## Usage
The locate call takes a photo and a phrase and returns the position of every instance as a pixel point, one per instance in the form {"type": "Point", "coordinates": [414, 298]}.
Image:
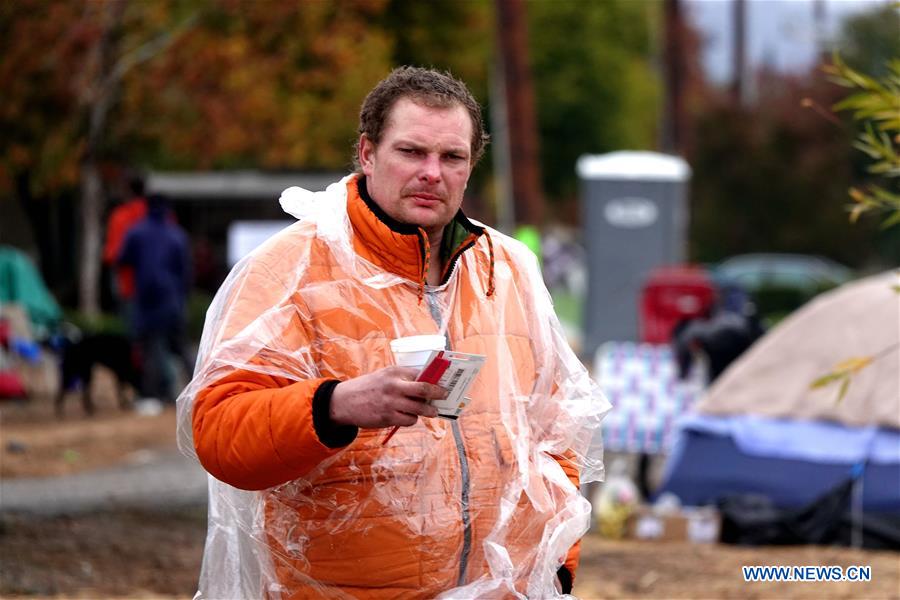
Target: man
{"type": "Point", "coordinates": [158, 253]}
{"type": "Point", "coordinates": [121, 220]}
{"type": "Point", "coordinates": [725, 332]}
{"type": "Point", "coordinates": [295, 386]}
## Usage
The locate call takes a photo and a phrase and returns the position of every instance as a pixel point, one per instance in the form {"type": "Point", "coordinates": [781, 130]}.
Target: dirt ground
{"type": "Point", "coordinates": [141, 554]}
{"type": "Point", "coordinates": [46, 447]}
{"type": "Point", "coordinates": [123, 554]}
{"type": "Point", "coordinates": [635, 569]}
{"type": "Point", "coordinates": [131, 554]}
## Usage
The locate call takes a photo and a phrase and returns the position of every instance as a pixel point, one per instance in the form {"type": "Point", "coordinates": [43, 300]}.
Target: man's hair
{"type": "Point", "coordinates": [136, 184]}
{"type": "Point", "coordinates": [424, 86]}
{"type": "Point", "coordinates": [158, 203]}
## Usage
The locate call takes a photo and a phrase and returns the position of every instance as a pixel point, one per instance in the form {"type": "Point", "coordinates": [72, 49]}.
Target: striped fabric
{"type": "Point", "coordinates": [640, 381]}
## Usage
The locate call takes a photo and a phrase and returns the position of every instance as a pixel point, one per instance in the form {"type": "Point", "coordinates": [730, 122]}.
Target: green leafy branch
{"type": "Point", "coordinates": [876, 103]}
{"type": "Point", "coordinates": [843, 372]}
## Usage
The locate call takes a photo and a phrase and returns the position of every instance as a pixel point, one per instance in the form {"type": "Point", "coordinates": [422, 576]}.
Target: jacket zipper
{"type": "Point", "coordinates": [463, 465]}
{"type": "Point", "coordinates": [459, 251]}
{"type": "Point", "coordinates": [464, 504]}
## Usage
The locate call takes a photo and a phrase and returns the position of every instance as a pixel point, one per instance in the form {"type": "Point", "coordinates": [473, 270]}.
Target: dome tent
{"type": "Point", "coordinates": [761, 429]}
{"type": "Point", "coordinates": [773, 378]}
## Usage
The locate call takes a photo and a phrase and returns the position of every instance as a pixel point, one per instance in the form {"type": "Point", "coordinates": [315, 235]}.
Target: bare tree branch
{"type": "Point", "coordinates": [148, 50]}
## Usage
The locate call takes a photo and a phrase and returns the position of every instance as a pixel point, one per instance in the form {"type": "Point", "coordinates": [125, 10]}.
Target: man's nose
{"type": "Point", "coordinates": [431, 169]}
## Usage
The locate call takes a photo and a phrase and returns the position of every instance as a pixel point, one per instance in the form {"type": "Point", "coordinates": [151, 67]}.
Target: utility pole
{"type": "Point", "coordinates": [521, 128]}
{"type": "Point", "coordinates": [738, 51]}
{"type": "Point", "coordinates": [819, 17]}
{"type": "Point", "coordinates": [820, 29]}
{"type": "Point", "coordinates": [504, 210]}
{"type": "Point", "coordinates": [673, 76]}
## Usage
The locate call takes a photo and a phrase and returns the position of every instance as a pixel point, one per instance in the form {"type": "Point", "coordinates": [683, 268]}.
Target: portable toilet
{"type": "Point", "coordinates": [635, 218]}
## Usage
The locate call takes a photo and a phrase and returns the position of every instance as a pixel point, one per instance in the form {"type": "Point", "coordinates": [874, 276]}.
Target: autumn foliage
{"type": "Point", "coordinates": [258, 84]}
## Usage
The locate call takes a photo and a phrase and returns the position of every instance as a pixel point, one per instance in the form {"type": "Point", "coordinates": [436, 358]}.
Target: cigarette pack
{"type": "Point", "coordinates": [455, 372]}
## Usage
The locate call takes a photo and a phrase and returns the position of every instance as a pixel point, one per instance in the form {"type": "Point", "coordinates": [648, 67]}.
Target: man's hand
{"type": "Point", "coordinates": [388, 397]}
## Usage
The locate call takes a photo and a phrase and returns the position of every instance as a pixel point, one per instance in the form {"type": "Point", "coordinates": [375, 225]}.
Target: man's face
{"type": "Point", "coordinates": [419, 171]}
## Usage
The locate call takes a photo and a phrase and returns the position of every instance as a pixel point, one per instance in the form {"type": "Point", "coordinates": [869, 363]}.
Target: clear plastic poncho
{"type": "Point", "coordinates": [478, 507]}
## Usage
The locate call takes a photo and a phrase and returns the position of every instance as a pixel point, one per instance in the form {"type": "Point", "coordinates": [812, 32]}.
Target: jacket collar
{"type": "Point", "coordinates": [402, 248]}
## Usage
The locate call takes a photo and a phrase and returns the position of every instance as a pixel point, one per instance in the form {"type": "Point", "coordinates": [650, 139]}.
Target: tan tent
{"type": "Point", "coordinates": [772, 379]}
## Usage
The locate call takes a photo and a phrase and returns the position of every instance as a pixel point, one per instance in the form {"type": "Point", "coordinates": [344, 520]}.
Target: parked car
{"type": "Point", "coordinates": [800, 271]}
{"type": "Point", "coordinates": [781, 283]}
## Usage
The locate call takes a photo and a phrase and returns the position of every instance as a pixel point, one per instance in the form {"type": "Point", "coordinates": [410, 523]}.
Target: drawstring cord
{"type": "Point", "coordinates": [424, 275]}
{"type": "Point", "coordinates": [490, 291]}
{"type": "Point", "coordinates": [425, 264]}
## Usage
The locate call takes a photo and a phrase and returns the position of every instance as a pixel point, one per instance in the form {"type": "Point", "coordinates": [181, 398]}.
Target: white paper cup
{"type": "Point", "coordinates": [414, 350]}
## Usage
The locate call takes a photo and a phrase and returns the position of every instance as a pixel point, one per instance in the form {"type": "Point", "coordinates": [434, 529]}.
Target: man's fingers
{"type": "Point", "coordinates": [420, 389]}
{"type": "Point", "coordinates": [405, 419]}
{"type": "Point", "coordinates": [404, 373]}
{"type": "Point", "coordinates": [416, 407]}
{"type": "Point", "coordinates": [429, 391]}
{"type": "Point", "coordinates": [407, 385]}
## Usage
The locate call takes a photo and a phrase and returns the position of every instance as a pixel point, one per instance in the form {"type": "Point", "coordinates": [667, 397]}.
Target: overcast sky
{"type": "Point", "coordinates": [781, 33]}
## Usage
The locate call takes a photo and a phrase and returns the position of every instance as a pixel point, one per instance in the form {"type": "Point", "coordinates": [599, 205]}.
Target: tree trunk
{"type": "Point", "coordinates": [102, 88]}
{"type": "Point", "coordinates": [91, 234]}
{"type": "Point", "coordinates": [109, 67]}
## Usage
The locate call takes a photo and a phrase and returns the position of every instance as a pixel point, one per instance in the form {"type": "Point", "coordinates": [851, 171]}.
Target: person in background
{"type": "Point", "coordinates": [157, 250]}
{"type": "Point", "coordinates": [721, 336]}
{"type": "Point", "coordinates": [122, 218]}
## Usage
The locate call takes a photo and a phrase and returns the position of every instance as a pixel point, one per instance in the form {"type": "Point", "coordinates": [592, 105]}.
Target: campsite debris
{"type": "Point", "coordinates": [71, 456]}
{"type": "Point", "coordinates": [16, 447]}
{"type": "Point", "coordinates": [618, 499]}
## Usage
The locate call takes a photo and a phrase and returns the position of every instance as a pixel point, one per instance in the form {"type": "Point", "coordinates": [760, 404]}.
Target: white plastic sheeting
{"type": "Point", "coordinates": [478, 507]}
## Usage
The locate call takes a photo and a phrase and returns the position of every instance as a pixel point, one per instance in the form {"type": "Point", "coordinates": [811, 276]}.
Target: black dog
{"type": "Point", "coordinates": [113, 351]}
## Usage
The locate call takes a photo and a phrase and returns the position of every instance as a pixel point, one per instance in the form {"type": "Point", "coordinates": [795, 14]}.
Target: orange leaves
{"type": "Point", "coordinates": [248, 84]}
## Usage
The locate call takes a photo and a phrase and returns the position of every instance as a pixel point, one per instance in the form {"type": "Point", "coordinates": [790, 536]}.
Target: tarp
{"type": "Point", "coordinates": [21, 283]}
{"type": "Point", "coordinates": [641, 383]}
{"type": "Point", "coordinates": [814, 441]}
{"type": "Point", "coordinates": [705, 468]}
{"type": "Point", "coordinates": [829, 519]}
{"type": "Point", "coordinates": [773, 378]}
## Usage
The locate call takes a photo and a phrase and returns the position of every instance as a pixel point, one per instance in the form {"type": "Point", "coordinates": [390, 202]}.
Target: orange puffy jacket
{"type": "Point", "coordinates": [473, 502]}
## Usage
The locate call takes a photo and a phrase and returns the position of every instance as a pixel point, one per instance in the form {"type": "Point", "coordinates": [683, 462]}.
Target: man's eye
{"type": "Point", "coordinates": [408, 150]}
{"type": "Point", "coordinates": [454, 157]}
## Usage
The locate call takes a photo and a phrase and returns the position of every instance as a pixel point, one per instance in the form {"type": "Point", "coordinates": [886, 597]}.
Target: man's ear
{"type": "Point", "coordinates": [366, 153]}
